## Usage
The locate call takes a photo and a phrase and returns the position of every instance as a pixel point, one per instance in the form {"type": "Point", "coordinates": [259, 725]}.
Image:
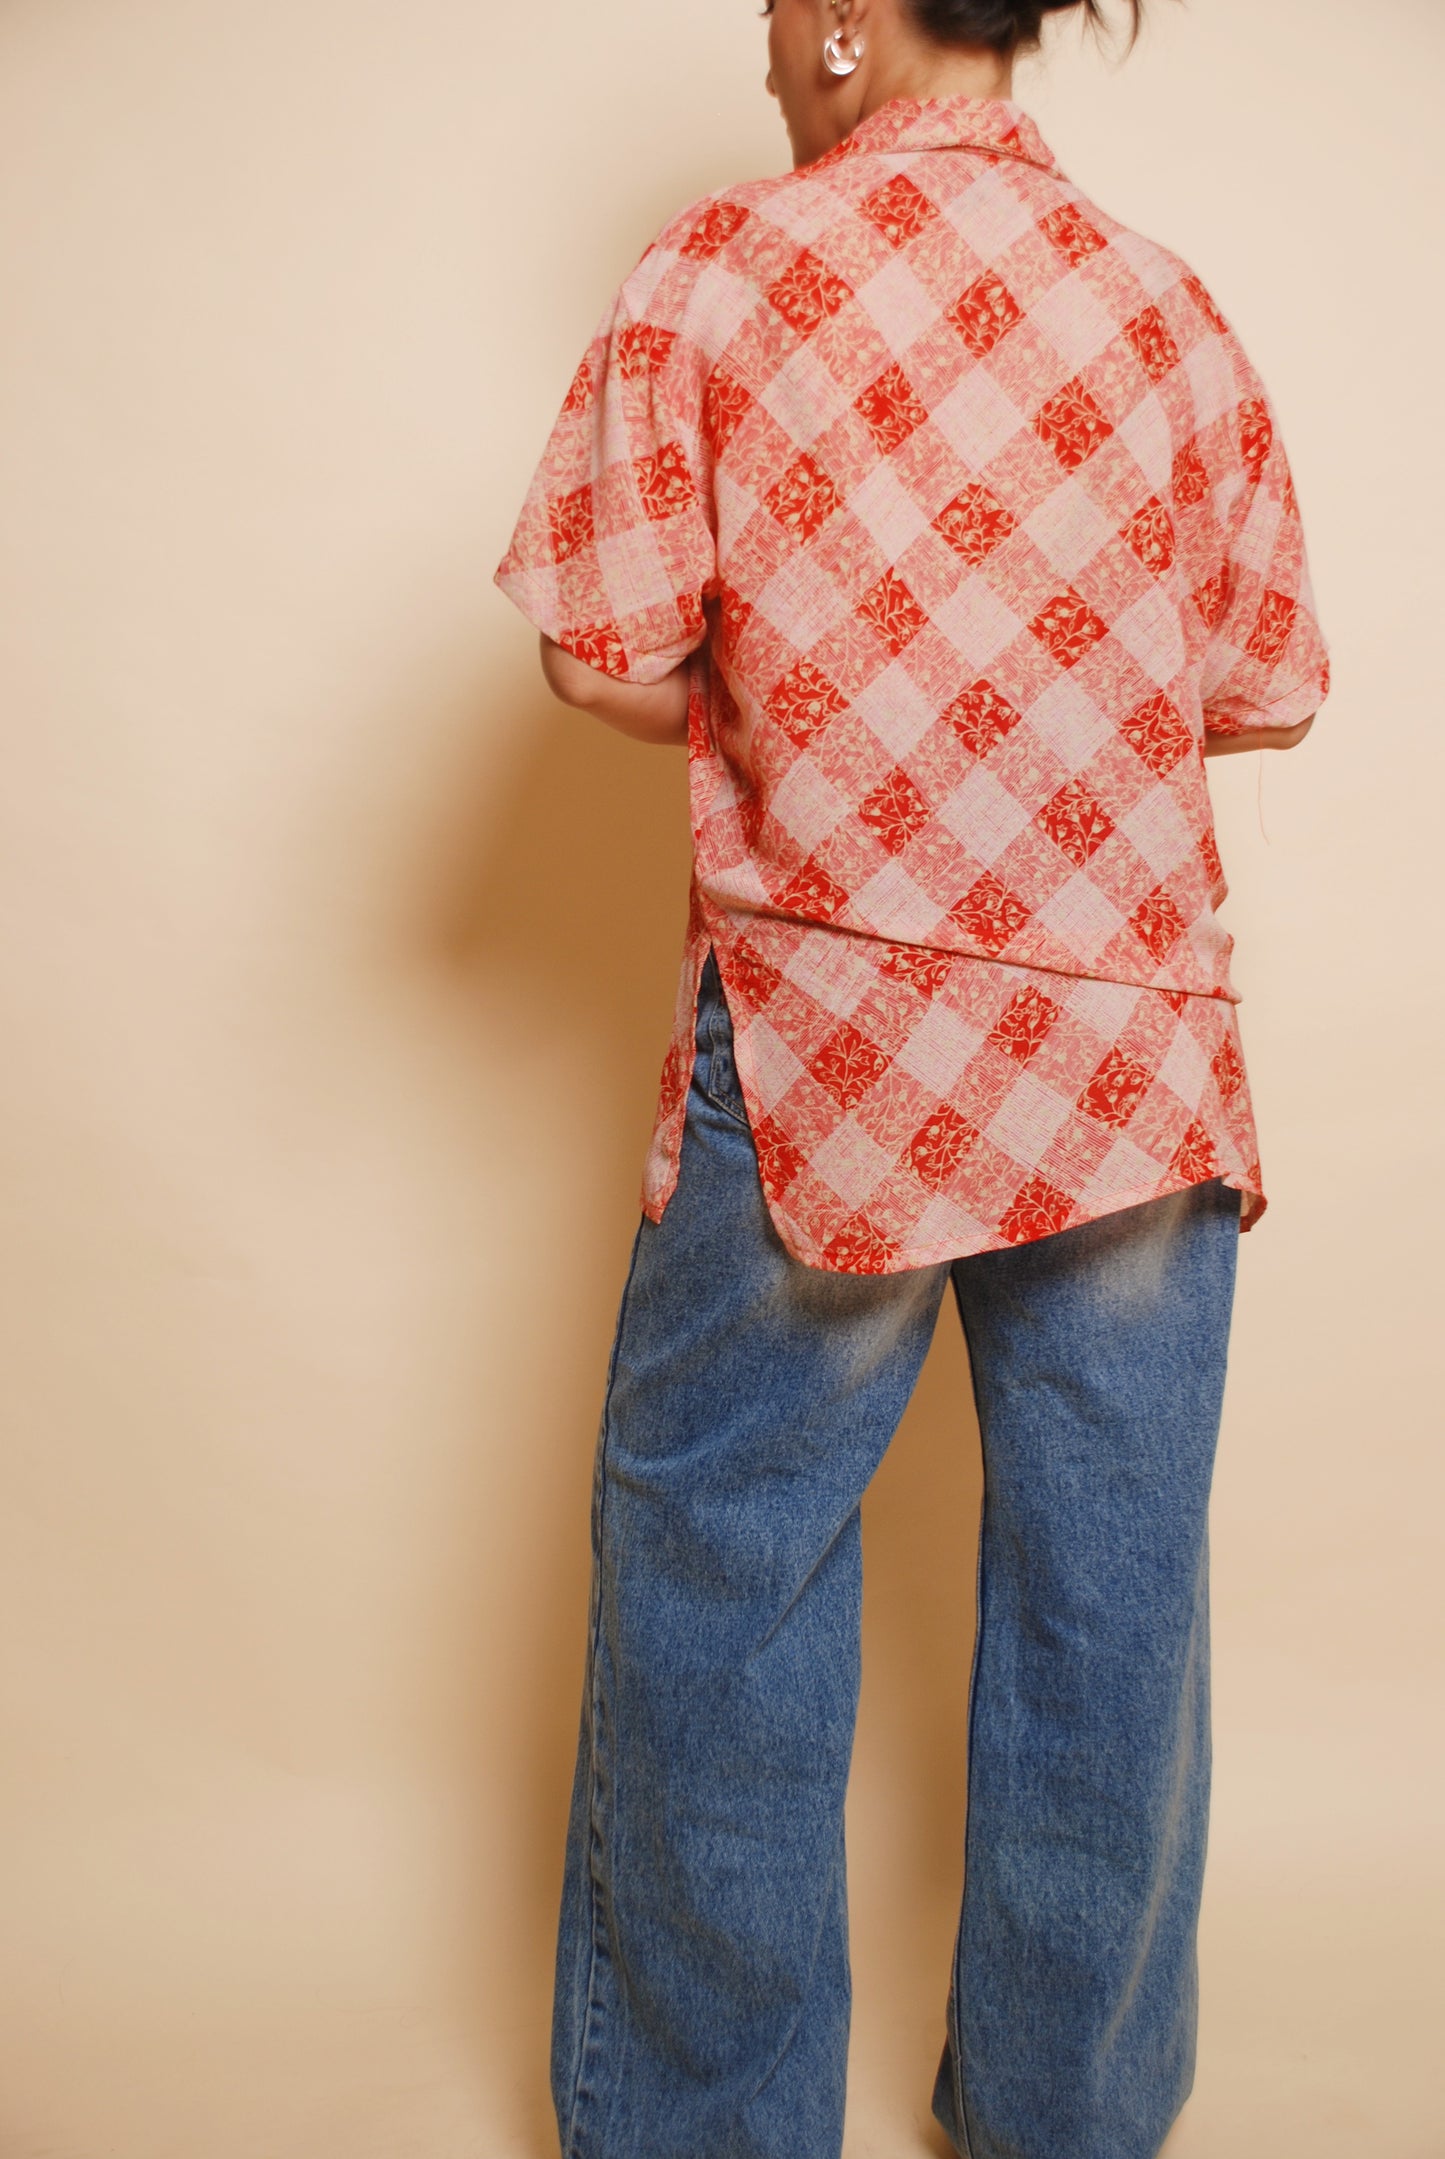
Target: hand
{"type": "Point", "coordinates": [1257, 738]}
{"type": "Point", "coordinates": [648, 711]}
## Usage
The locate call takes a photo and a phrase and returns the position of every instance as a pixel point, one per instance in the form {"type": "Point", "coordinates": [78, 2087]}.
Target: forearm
{"type": "Point", "coordinates": [1257, 738]}
{"type": "Point", "coordinates": [648, 711]}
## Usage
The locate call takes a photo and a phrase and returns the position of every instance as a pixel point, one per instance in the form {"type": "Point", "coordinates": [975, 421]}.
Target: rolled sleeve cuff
{"type": "Point", "coordinates": [1234, 717]}
{"type": "Point", "coordinates": [600, 644]}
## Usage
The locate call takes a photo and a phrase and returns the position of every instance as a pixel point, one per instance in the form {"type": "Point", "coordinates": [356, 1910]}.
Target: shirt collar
{"type": "Point", "coordinates": [994, 126]}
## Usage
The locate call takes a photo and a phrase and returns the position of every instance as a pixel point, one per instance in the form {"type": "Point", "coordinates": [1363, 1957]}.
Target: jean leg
{"type": "Point", "coordinates": [703, 1991]}
{"type": "Point", "coordinates": [1099, 1363]}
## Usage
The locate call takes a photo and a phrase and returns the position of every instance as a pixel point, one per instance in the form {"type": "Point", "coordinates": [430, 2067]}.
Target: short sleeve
{"type": "Point", "coordinates": [1266, 664]}
{"type": "Point", "coordinates": [614, 550]}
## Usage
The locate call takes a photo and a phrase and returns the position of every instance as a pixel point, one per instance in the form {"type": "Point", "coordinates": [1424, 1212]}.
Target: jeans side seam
{"type": "Point", "coordinates": [581, 2089]}
{"type": "Point", "coordinates": [970, 1720]}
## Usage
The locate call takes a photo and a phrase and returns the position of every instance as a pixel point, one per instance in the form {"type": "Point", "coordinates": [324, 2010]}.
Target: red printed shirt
{"type": "Point", "coordinates": [969, 517]}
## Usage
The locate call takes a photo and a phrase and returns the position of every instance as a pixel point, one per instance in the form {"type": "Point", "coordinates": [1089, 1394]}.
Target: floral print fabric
{"type": "Point", "coordinates": [969, 517]}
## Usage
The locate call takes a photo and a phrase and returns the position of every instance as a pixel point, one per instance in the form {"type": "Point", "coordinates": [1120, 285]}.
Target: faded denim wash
{"type": "Point", "coordinates": [702, 1987]}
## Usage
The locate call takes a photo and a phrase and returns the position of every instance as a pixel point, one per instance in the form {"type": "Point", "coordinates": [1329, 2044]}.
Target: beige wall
{"type": "Point", "coordinates": [337, 964]}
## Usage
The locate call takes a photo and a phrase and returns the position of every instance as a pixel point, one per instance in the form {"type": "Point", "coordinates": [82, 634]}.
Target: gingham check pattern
{"type": "Point", "coordinates": [969, 516]}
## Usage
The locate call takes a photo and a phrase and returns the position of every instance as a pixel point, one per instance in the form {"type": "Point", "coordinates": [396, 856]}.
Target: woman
{"type": "Point", "coordinates": [947, 523]}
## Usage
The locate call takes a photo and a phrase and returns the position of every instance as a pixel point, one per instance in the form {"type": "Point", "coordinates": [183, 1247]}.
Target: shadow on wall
{"type": "Point", "coordinates": [556, 903]}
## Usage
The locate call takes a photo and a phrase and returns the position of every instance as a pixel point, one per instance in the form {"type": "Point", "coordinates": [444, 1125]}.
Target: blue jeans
{"type": "Point", "coordinates": [702, 1986]}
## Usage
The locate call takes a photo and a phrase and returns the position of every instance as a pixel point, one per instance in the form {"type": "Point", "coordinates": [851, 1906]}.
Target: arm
{"type": "Point", "coordinates": [1257, 738]}
{"type": "Point", "coordinates": [649, 712]}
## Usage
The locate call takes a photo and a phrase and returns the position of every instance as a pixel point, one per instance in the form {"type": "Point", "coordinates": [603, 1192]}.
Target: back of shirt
{"type": "Point", "coordinates": [988, 515]}
{"type": "Point", "coordinates": [970, 517]}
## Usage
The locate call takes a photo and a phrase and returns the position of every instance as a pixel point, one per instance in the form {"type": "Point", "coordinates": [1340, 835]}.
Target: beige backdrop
{"type": "Point", "coordinates": [337, 965]}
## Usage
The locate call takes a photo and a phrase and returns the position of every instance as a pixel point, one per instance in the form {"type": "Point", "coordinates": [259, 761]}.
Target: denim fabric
{"type": "Point", "coordinates": [703, 1994]}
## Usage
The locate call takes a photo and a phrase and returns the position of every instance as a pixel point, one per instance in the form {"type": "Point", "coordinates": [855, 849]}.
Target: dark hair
{"type": "Point", "coordinates": [1001, 25]}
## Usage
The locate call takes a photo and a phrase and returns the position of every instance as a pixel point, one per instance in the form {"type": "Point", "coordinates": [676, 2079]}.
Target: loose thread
{"type": "Point", "coordinates": [1259, 800]}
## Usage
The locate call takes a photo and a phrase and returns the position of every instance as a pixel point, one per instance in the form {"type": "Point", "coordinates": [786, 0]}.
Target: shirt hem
{"type": "Point", "coordinates": [810, 1254]}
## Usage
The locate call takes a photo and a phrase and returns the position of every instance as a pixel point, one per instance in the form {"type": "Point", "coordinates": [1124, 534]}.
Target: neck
{"type": "Point", "coordinates": [925, 72]}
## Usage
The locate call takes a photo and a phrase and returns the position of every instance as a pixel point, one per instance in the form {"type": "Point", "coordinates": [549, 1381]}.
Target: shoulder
{"type": "Point", "coordinates": [713, 258]}
{"type": "Point", "coordinates": [1111, 254]}
{"type": "Point", "coordinates": [1166, 278]}
{"type": "Point", "coordinates": [715, 228]}
{"type": "Point", "coordinates": [1153, 292]}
